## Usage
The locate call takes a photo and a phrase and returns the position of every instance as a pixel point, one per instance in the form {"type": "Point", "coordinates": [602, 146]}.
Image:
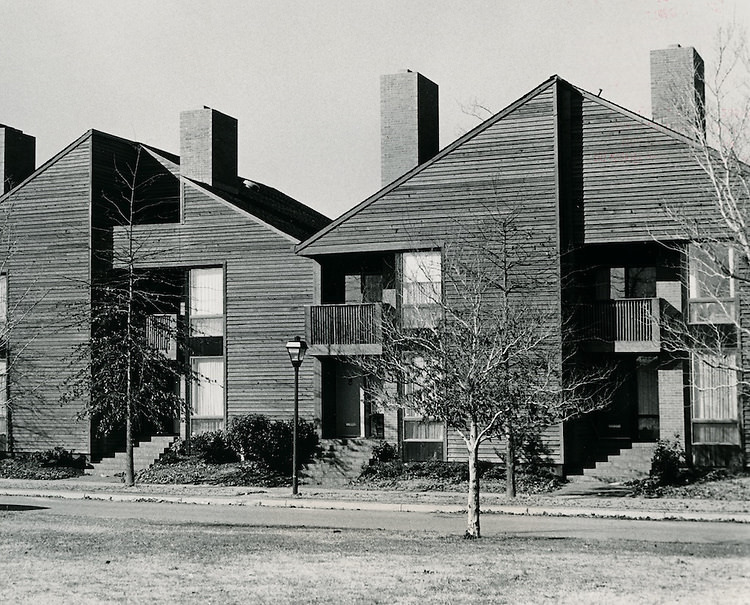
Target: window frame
{"type": "Point", "coordinates": [195, 384]}
{"type": "Point", "coordinates": [729, 421]}
{"type": "Point", "coordinates": [195, 316]}
{"type": "Point", "coordinates": [710, 309]}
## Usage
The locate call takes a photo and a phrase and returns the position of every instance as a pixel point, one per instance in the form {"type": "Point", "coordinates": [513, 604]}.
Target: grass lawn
{"type": "Point", "coordinates": [54, 559]}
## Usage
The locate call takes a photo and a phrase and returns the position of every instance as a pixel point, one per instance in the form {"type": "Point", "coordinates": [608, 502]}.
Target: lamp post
{"type": "Point", "coordinates": [296, 349]}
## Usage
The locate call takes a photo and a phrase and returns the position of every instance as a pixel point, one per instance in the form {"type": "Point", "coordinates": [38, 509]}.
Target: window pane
{"type": "Point", "coordinates": [208, 388]}
{"type": "Point", "coordinates": [423, 430]}
{"type": "Point", "coordinates": [724, 433]}
{"type": "Point", "coordinates": [207, 291]}
{"type": "Point", "coordinates": [207, 301]}
{"type": "Point", "coordinates": [421, 289]}
{"type": "Point", "coordinates": [715, 392]}
{"type": "Point", "coordinates": [710, 272]}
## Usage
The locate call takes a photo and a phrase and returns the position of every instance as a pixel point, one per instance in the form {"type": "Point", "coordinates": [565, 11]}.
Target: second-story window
{"type": "Point", "coordinates": [421, 293]}
{"type": "Point", "coordinates": [207, 302]}
{"type": "Point", "coordinates": [711, 284]}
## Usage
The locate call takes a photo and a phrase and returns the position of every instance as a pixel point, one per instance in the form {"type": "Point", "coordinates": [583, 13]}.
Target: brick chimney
{"type": "Point", "coordinates": [409, 131]}
{"type": "Point", "coordinates": [17, 157]}
{"type": "Point", "coordinates": [678, 93]}
{"type": "Point", "coordinates": [208, 146]}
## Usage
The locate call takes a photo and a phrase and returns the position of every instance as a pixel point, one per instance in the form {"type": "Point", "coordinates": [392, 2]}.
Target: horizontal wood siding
{"type": "Point", "coordinates": [744, 403]}
{"type": "Point", "coordinates": [493, 449]}
{"type": "Point", "coordinates": [633, 176]}
{"type": "Point", "coordinates": [267, 287]}
{"type": "Point", "coordinates": [48, 272]}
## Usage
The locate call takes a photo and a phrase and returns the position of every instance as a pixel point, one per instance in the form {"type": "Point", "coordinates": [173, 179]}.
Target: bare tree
{"type": "Point", "coordinates": [131, 376]}
{"type": "Point", "coordinates": [481, 352]}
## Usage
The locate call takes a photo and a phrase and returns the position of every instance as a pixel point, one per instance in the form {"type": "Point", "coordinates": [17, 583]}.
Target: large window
{"type": "Point", "coordinates": [422, 436]}
{"type": "Point", "coordinates": [715, 415]}
{"type": "Point", "coordinates": [207, 302]}
{"type": "Point", "coordinates": [421, 292]}
{"type": "Point", "coordinates": [207, 395]}
{"type": "Point", "coordinates": [711, 285]}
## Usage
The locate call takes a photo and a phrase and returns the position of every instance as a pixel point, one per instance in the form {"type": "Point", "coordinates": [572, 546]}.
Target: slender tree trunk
{"type": "Point", "coordinates": [472, 527]}
{"type": "Point", "coordinates": [129, 463]}
{"type": "Point", "coordinates": [510, 463]}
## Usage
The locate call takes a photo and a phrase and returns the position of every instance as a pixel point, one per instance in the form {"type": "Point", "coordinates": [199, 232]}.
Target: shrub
{"type": "Point", "coordinates": [384, 452]}
{"type": "Point", "coordinates": [212, 447]}
{"type": "Point", "coordinates": [667, 463]}
{"type": "Point", "coordinates": [59, 457]}
{"type": "Point", "coordinates": [256, 438]}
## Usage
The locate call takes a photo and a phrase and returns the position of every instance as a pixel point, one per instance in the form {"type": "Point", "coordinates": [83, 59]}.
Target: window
{"type": "Point", "coordinates": [207, 302]}
{"type": "Point", "coordinates": [711, 284]}
{"type": "Point", "coordinates": [161, 333]}
{"type": "Point", "coordinates": [421, 292]}
{"type": "Point", "coordinates": [207, 395]}
{"type": "Point", "coordinates": [422, 436]}
{"type": "Point", "coordinates": [715, 416]}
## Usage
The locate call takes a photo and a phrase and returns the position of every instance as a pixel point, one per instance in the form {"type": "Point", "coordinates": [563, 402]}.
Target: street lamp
{"type": "Point", "coordinates": [296, 349]}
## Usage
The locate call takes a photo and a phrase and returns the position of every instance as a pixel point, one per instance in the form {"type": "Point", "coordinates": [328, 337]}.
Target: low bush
{"type": "Point", "coordinates": [213, 447]}
{"type": "Point", "coordinates": [59, 457]}
{"type": "Point", "coordinates": [256, 438]}
{"type": "Point", "coordinates": [667, 463]}
{"type": "Point", "coordinates": [435, 474]}
{"type": "Point", "coordinates": [384, 452]}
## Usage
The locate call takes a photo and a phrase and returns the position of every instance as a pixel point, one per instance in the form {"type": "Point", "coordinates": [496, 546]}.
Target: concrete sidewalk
{"type": "Point", "coordinates": [312, 497]}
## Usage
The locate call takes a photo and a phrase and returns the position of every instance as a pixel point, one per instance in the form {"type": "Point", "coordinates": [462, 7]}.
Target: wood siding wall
{"type": "Point", "coordinates": [492, 450]}
{"type": "Point", "coordinates": [267, 287]}
{"type": "Point", "coordinates": [457, 201]}
{"type": "Point", "coordinates": [630, 176]}
{"type": "Point", "coordinates": [47, 223]}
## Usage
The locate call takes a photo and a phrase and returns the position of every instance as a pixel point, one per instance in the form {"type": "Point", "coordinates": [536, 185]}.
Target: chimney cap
{"type": "Point", "coordinates": [675, 46]}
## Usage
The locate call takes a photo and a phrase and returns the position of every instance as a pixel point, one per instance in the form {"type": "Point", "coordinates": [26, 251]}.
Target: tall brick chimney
{"type": "Point", "coordinates": [409, 130]}
{"type": "Point", "coordinates": [208, 146]}
{"type": "Point", "coordinates": [17, 157]}
{"type": "Point", "coordinates": [678, 92]}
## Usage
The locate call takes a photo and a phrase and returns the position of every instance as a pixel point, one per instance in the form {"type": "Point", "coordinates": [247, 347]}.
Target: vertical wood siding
{"type": "Point", "coordinates": [47, 223]}
{"type": "Point", "coordinates": [267, 287]}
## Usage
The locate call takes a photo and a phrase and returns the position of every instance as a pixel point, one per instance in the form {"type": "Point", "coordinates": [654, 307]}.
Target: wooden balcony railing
{"type": "Point", "coordinates": [344, 329]}
{"type": "Point", "coordinates": [622, 325]}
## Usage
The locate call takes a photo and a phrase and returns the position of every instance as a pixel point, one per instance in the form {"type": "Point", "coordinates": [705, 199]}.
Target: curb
{"type": "Point", "coordinates": [323, 504]}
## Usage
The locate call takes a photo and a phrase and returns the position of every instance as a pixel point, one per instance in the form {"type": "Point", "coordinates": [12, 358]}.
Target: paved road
{"type": "Point", "coordinates": [344, 520]}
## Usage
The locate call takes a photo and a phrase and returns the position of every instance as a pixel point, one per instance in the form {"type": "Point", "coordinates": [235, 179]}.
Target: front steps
{"type": "Point", "coordinates": [627, 465]}
{"type": "Point", "coordinates": [144, 455]}
{"type": "Point", "coordinates": [340, 462]}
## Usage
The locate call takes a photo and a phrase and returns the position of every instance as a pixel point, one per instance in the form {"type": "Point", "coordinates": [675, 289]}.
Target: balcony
{"type": "Point", "coordinates": [626, 325]}
{"type": "Point", "coordinates": [344, 329]}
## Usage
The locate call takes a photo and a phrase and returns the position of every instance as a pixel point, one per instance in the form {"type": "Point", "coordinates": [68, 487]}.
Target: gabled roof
{"type": "Point", "coordinates": [553, 80]}
{"type": "Point", "coordinates": [267, 204]}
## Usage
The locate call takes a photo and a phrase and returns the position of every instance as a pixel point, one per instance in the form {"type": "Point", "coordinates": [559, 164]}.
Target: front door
{"type": "Point", "coordinates": [349, 392]}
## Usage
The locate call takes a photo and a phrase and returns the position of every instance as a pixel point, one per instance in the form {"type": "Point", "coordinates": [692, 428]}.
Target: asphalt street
{"type": "Point", "coordinates": [352, 520]}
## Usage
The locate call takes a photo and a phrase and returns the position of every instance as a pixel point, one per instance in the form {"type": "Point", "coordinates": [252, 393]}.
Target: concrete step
{"type": "Point", "coordinates": [144, 455]}
{"type": "Point", "coordinates": [341, 461]}
{"type": "Point", "coordinates": [629, 464]}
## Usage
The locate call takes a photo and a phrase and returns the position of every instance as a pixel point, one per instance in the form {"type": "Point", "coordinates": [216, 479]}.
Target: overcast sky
{"type": "Point", "coordinates": [302, 78]}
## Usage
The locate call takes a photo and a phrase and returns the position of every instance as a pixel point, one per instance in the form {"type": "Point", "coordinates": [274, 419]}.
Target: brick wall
{"type": "Point", "coordinates": [677, 88]}
{"type": "Point", "coordinates": [671, 405]}
{"type": "Point", "coordinates": [17, 157]}
{"type": "Point", "coordinates": [409, 123]}
{"type": "Point", "coordinates": [208, 146]}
